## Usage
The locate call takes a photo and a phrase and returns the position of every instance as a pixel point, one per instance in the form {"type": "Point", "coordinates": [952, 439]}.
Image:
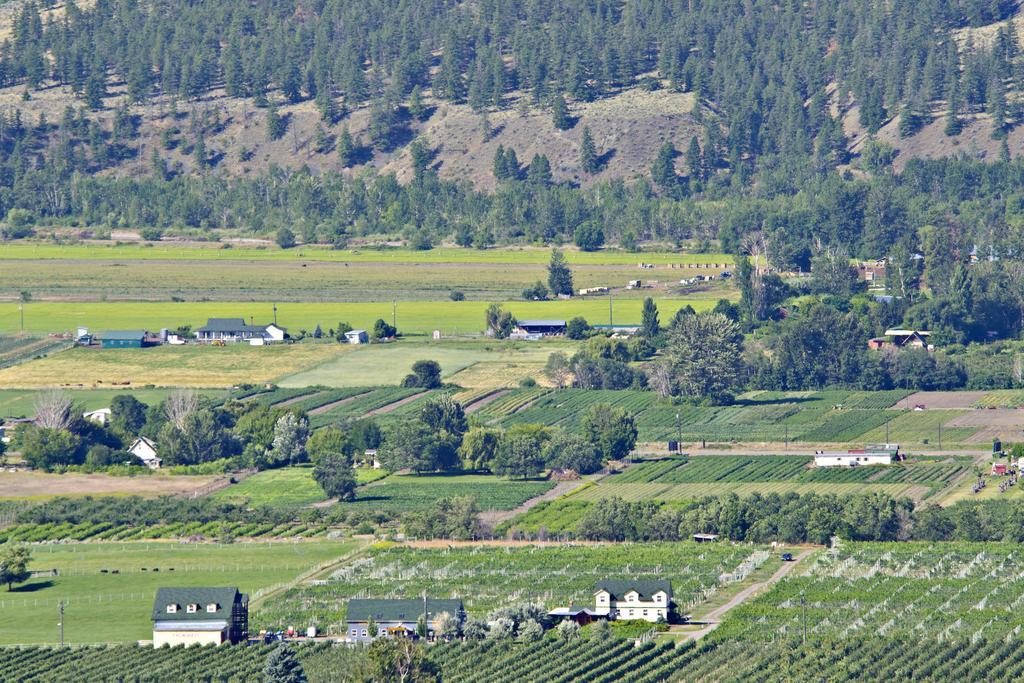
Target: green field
{"type": "Point", "coordinates": [215, 251]}
{"type": "Point", "coordinates": [106, 607]}
{"type": "Point", "coordinates": [683, 479]}
{"type": "Point", "coordinates": [412, 317]}
{"type": "Point", "coordinates": [285, 487]}
{"type": "Point", "coordinates": [19, 402]}
{"type": "Point", "coordinates": [486, 577]}
{"type": "Point", "coordinates": [388, 363]}
{"type": "Point", "coordinates": [415, 492]}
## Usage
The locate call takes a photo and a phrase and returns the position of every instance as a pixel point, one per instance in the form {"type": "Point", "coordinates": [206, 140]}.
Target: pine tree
{"type": "Point", "coordinates": [663, 172]}
{"type": "Point", "coordinates": [559, 275]}
{"type": "Point", "coordinates": [560, 113]}
{"type": "Point", "coordinates": [695, 159]}
{"type": "Point", "coordinates": [588, 153]}
{"type": "Point", "coordinates": [539, 172]}
{"type": "Point", "coordinates": [283, 666]}
{"type": "Point", "coordinates": [199, 151]}
{"type": "Point", "coordinates": [649, 325]}
{"type": "Point", "coordinates": [346, 149]}
{"type": "Point", "coordinates": [498, 167]}
{"type": "Point", "coordinates": [416, 107]}
{"type": "Point", "coordinates": [276, 124]}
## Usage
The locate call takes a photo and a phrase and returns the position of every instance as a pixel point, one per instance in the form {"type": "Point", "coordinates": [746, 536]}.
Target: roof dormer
{"type": "Point", "coordinates": [172, 609]}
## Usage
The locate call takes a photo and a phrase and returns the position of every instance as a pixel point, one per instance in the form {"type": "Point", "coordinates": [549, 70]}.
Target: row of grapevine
{"type": "Point", "coordinates": [100, 531]}
{"type": "Point", "coordinates": [141, 663]}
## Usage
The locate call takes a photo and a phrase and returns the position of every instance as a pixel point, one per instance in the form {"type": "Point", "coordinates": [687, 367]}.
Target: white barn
{"type": "Point", "coordinates": [851, 459]}
{"type": "Point", "coordinates": [145, 450]}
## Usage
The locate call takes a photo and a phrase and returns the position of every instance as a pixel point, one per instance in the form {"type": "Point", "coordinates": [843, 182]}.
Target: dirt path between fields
{"type": "Point", "coordinates": [492, 518]}
{"type": "Point", "coordinates": [384, 410]}
{"type": "Point", "coordinates": [334, 404]}
{"type": "Point", "coordinates": [714, 617]}
{"type": "Point", "coordinates": [296, 399]}
{"type": "Point", "coordinates": [484, 400]}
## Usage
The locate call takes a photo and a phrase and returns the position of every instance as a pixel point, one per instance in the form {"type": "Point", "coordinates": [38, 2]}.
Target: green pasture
{"type": "Point", "coordinates": [285, 487]}
{"type": "Point", "coordinates": [412, 317]}
{"type": "Point", "coordinates": [105, 607]}
{"type": "Point", "coordinates": [373, 364]}
{"type": "Point", "coordinates": [217, 252]}
{"type": "Point", "coordinates": [294, 280]}
{"type": "Point", "coordinates": [19, 402]}
{"type": "Point", "coordinates": [414, 492]}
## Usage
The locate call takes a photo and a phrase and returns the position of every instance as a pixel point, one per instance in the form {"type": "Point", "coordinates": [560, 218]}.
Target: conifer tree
{"type": "Point", "coordinates": [346, 149]}
{"type": "Point", "coordinates": [560, 113]}
{"type": "Point", "coordinates": [588, 153]}
{"type": "Point", "coordinates": [283, 666]}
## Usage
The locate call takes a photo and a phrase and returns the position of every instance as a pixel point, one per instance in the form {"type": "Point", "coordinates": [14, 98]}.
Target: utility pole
{"type": "Point", "coordinates": [679, 433]}
{"type": "Point", "coordinates": [610, 314]}
{"type": "Point", "coordinates": [275, 314]}
{"type": "Point", "coordinates": [394, 324]}
{"type": "Point", "coordinates": [61, 608]}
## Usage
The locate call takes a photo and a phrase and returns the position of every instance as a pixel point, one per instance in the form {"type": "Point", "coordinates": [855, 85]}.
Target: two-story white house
{"type": "Point", "coordinates": [650, 600]}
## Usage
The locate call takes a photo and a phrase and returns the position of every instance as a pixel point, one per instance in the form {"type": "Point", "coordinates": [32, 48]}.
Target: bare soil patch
{"type": "Point", "coordinates": [998, 417]}
{"type": "Point", "coordinates": [384, 410]}
{"type": "Point", "coordinates": [944, 400]}
{"type": "Point", "coordinates": [41, 485]}
{"type": "Point", "coordinates": [484, 400]}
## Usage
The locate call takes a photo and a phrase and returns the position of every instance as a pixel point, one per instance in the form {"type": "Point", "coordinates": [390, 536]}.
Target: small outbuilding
{"type": "Point", "coordinates": [581, 615]}
{"type": "Point", "coordinates": [705, 538]}
{"type": "Point", "coordinates": [357, 337]}
{"type": "Point", "coordinates": [100, 417]}
{"type": "Point", "coordinates": [543, 328]}
{"type": "Point", "coordinates": [123, 339]}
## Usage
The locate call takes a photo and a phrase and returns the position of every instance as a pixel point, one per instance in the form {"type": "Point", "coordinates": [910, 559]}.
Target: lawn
{"type": "Point", "coordinates": [105, 607]}
{"type": "Point", "coordinates": [419, 317]}
{"type": "Point", "coordinates": [285, 487]}
{"type": "Point", "coordinates": [373, 365]}
{"type": "Point", "coordinates": [19, 402]}
{"type": "Point", "coordinates": [168, 366]}
{"type": "Point", "coordinates": [413, 492]}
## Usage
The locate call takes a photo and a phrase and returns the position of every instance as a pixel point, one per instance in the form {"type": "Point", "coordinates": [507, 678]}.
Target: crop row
{"type": "Point", "coordinates": [103, 531]}
{"type": "Point", "coordinates": [136, 663]}
{"type": "Point", "coordinates": [489, 577]}
{"type": "Point", "coordinates": [945, 591]}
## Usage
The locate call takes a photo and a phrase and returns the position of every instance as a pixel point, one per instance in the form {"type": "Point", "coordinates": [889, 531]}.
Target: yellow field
{"type": "Point", "coordinates": [183, 366]}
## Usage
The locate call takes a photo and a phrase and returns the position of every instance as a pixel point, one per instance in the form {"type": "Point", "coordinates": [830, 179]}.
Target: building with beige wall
{"type": "Point", "coordinates": [200, 616]}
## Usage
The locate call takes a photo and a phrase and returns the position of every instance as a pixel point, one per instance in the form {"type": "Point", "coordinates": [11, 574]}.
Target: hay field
{"type": "Point", "coordinates": [168, 366]}
{"type": "Point", "coordinates": [40, 485]}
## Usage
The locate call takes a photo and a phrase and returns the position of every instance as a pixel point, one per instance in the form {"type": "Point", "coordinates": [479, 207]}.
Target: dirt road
{"type": "Point", "coordinates": [714, 617]}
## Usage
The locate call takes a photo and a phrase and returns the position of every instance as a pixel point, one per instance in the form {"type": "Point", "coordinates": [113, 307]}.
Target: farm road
{"type": "Point", "coordinates": [492, 518]}
{"type": "Point", "coordinates": [714, 617]}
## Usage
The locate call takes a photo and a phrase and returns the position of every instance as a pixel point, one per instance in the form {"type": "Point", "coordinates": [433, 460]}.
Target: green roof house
{"type": "Point", "coordinates": [397, 618]}
{"type": "Point", "coordinates": [200, 616]}
{"type": "Point", "coordinates": [123, 339]}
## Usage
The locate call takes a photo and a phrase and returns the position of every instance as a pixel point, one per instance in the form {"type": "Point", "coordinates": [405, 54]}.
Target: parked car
{"type": "Point", "coordinates": [787, 557]}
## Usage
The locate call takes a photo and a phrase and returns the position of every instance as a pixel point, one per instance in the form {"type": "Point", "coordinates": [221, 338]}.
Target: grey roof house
{"type": "Point", "coordinates": [200, 616]}
{"type": "Point", "coordinates": [397, 618]}
{"type": "Point", "coordinates": [236, 329]}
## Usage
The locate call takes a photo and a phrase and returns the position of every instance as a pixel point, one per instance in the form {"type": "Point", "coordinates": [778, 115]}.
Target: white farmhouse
{"type": "Point", "coordinates": [145, 450]}
{"type": "Point", "coordinates": [649, 600]}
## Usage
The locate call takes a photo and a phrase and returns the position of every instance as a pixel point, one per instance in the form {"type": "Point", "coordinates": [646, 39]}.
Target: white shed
{"type": "Point", "coordinates": [357, 337]}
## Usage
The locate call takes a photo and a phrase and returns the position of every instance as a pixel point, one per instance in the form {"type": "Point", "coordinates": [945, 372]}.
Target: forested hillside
{"type": "Point", "coordinates": [654, 119]}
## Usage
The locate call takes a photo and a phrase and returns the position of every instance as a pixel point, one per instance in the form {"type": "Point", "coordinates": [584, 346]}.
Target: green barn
{"type": "Point", "coordinates": [123, 339]}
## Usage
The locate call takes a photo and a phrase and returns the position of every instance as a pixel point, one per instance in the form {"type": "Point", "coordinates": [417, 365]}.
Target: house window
{"type": "Point", "coordinates": [172, 609]}
{"type": "Point", "coordinates": [192, 608]}
{"type": "Point", "coordinates": [364, 633]}
{"type": "Point", "coordinates": [355, 633]}
{"type": "Point", "coordinates": [211, 608]}
{"type": "Point", "coordinates": [645, 613]}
